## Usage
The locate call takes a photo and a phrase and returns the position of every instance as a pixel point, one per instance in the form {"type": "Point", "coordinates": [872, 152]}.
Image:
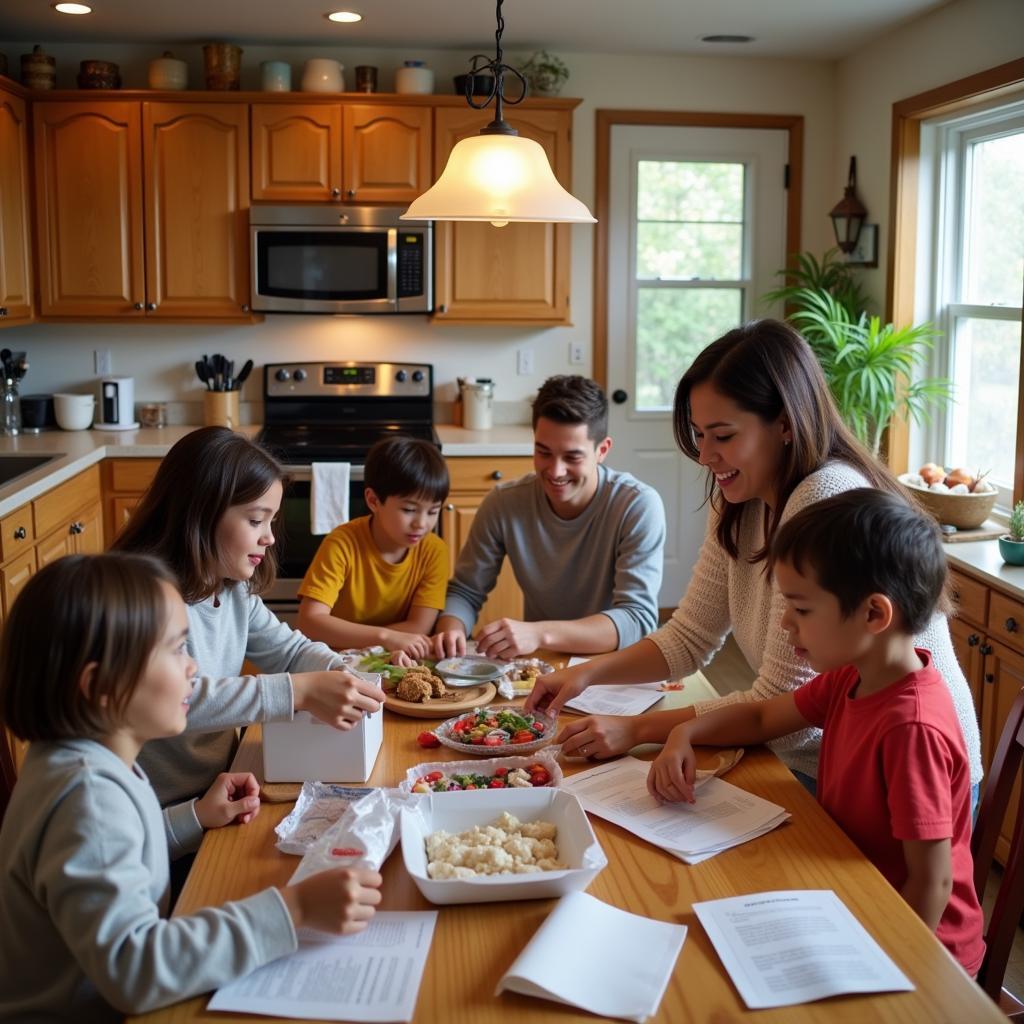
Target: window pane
{"type": "Point", "coordinates": [994, 249]}
{"type": "Point", "coordinates": [687, 251]}
{"type": "Point", "coordinates": [673, 325]}
{"type": "Point", "coordinates": [689, 220]}
{"type": "Point", "coordinates": [987, 366]}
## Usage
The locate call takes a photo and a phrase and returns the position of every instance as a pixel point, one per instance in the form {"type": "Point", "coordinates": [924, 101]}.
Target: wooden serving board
{"type": "Point", "coordinates": [987, 531]}
{"type": "Point", "coordinates": [464, 699]}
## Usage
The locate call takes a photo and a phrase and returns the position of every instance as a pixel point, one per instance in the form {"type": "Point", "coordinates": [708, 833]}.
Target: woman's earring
{"type": "Point", "coordinates": [786, 442]}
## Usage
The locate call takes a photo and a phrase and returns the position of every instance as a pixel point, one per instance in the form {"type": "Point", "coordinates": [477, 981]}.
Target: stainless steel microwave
{"type": "Point", "coordinates": [329, 259]}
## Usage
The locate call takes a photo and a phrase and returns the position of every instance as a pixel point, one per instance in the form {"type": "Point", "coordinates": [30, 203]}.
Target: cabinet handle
{"type": "Point", "coordinates": [76, 528]}
{"type": "Point", "coordinates": [990, 677]}
{"type": "Point", "coordinates": [1011, 625]}
{"type": "Point", "coordinates": [335, 193]}
{"type": "Point", "coordinates": [449, 507]}
{"type": "Point", "coordinates": [20, 533]}
{"type": "Point", "coordinates": [136, 305]}
{"type": "Point", "coordinates": [985, 649]}
{"type": "Point", "coordinates": [973, 640]}
{"type": "Point", "coordinates": [3, 311]}
{"type": "Point", "coordinates": [442, 308]}
{"type": "Point", "coordinates": [150, 306]}
{"type": "Point", "coordinates": [497, 474]}
{"type": "Point", "coordinates": [351, 193]}
{"type": "Point", "coordinates": [245, 308]}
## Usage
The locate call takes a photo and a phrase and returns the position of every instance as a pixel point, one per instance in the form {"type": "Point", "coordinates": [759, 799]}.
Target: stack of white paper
{"type": "Point", "coordinates": [723, 816]}
{"type": "Point", "coordinates": [782, 948]}
{"type": "Point", "coordinates": [633, 699]}
{"type": "Point", "coordinates": [599, 958]}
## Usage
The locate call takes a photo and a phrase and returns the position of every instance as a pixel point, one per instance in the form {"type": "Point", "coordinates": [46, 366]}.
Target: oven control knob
{"type": "Point", "coordinates": [299, 374]}
{"type": "Point", "coordinates": [417, 376]}
{"type": "Point", "coordinates": [401, 376]}
{"type": "Point", "coordinates": [282, 375]}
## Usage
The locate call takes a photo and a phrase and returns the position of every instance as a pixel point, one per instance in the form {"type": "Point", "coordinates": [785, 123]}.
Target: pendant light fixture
{"type": "Point", "coordinates": [849, 213]}
{"type": "Point", "coordinates": [497, 175]}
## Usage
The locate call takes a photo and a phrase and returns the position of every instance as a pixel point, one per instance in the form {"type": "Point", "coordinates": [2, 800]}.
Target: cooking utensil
{"type": "Point", "coordinates": [243, 374]}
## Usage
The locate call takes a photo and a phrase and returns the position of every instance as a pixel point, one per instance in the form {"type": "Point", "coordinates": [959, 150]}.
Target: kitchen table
{"type": "Point", "coordinates": [475, 944]}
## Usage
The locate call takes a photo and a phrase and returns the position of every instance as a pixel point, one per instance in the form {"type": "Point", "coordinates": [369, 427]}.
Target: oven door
{"type": "Point", "coordinates": [295, 544]}
{"type": "Point", "coordinates": [313, 269]}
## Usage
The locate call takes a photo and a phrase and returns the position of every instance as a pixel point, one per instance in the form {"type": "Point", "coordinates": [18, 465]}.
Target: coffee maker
{"type": "Point", "coordinates": [117, 403]}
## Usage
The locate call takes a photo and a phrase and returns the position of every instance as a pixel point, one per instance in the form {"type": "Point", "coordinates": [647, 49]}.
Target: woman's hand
{"type": "Point", "coordinates": [336, 697]}
{"type": "Point", "coordinates": [550, 692]}
{"type": "Point", "coordinates": [598, 736]}
{"type": "Point", "coordinates": [234, 796]}
{"type": "Point", "coordinates": [341, 901]}
{"type": "Point", "coordinates": [672, 774]}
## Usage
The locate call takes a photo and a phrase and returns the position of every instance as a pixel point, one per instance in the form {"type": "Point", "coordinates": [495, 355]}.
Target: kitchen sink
{"type": "Point", "coordinates": [13, 466]}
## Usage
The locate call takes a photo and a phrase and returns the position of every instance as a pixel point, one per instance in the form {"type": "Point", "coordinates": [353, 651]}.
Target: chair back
{"type": "Point", "coordinates": [1006, 913]}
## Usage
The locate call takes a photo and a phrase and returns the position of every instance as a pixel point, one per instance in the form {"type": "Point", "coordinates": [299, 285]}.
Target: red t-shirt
{"type": "Point", "coordinates": [893, 766]}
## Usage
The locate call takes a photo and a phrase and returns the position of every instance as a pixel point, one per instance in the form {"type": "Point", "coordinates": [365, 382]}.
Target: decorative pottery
{"type": "Point", "coordinates": [167, 72]}
{"type": "Point", "coordinates": [276, 76]}
{"type": "Point", "coordinates": [38, 69]}
{"type": "Point", "coordinates": [366, 78]}
{"type": "Point", "coordinates": [323, 74]}
{"type": "Point", "coordinates": [223, 66]}
{"type": "Point", "coordinates": [99, 74]}
{"type": "Point", "coordinates": [1011, 550]}
{"type": "Point", "coordinates": [414, 77]}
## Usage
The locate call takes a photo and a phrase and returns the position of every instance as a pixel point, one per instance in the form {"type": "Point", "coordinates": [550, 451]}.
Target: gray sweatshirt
{"type": "Point", "coordinates": [607, 560]}
{"type": "Point", "coordinates": [83, 899]}
{"type": "Point", "coordinates": [221, 636]}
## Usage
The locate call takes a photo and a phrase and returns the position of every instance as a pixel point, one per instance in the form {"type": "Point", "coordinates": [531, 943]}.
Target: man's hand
{"type": "Point", "coordinates": [449, 643]}
{"type": "Point", "coordinates": [508, 638]}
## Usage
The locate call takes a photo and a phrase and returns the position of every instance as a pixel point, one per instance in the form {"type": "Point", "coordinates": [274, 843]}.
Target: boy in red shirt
{"type": "Point", "coordinates": [861, 573]}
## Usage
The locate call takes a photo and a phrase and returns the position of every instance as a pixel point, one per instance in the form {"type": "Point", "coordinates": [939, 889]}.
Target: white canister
{"type": "Point", "coordinates": [414, 77]}
{"type": "Point", "coordinates": [322, 74]}
{"type": "Point", "coordinates": [276, 76]}
{"type": "Point", "coordinates": [477, 401]}
{"type": "Point", "coordinates": [167, 72]}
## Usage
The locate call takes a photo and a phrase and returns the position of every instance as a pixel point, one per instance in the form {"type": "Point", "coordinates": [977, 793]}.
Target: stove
{"type": "Point", "coordinates": [333, 412]}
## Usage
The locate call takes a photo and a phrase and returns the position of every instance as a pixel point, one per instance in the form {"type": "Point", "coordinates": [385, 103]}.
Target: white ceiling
{"type": "Point", "coordinates": [781, 28]}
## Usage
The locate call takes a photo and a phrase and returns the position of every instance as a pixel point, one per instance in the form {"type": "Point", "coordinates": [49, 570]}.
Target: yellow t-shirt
{"type": "Point", "coordinates": [349, 575]}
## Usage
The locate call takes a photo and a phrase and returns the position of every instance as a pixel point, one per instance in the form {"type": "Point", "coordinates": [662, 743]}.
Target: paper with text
{"type": "Point", "coordinates": [373, 976]}
{"type": "Point", "coordinates": [599, 958]}
{"type": "Point", "coordinates": [784, 948]}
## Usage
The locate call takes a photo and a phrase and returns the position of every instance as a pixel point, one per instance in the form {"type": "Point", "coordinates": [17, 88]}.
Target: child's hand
{"type": "Point", "coordinates": [234, 796]}
{"type": "Point", "coordinates": [341, 901]}
{"type": "Point", "coordinates": [336, 697]}
{"type": "Point", "coordinates": [672, 774]}
{"type": "Point", "coordinates": [449, 643]}
{"type": "Point", "coordinates": [598, 736]}
{"type": "Point", "coordinates": [415, 646]}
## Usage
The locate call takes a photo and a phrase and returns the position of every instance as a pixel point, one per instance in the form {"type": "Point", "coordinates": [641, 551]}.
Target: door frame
{"type": "Point", "coordinates": [605, 120]}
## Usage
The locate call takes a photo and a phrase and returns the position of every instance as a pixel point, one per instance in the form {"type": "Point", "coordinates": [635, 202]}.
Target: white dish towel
{"type": "Point", "coordinates": [328, 496]}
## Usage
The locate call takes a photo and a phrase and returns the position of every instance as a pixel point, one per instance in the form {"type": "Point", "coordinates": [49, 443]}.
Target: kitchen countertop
{"type": "Point", "coordinates": [76, 450]}
{"type": "Point", "coordinates": [981, 559]}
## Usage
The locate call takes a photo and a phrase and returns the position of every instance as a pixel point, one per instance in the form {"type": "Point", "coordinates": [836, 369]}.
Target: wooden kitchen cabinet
{"type": "Point", "coordinates": [518, 273]}
{"type": "Point", "coordinates": [15, 232]}
{"type": "Point", "coordinates": [124, 482]}
{"type": "Point", "coordinates": [471, 480]}
{"type": "Point", "coordinates": [296, 152]}
{"type": "Point", "coordinates": [88, 172]}
{"type": "Point", "coordinates": [386, 154]}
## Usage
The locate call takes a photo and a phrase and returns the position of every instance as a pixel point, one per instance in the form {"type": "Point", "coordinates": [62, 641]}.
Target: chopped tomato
{"type": "Point", "coordinates": [433, 777]}
{"type": "Point", "coordinates": [493, 741]}
{"type": "Point", "coordinates": [531, 768]}
{"type": "Point", "coordinates": [471, 786]}
{"type": "Point", "coordinates": [523, 736]}
{"type": "Point", "coordinates": [428, 739]}
{"type": "Point", "coordinates": [538, 727]}
{"type": "Point", "coordinates": [541, 778]}
{"type": "Point", "coordinates": [500, 773]}
{"type": "Point", "coordinates": [496, 784]}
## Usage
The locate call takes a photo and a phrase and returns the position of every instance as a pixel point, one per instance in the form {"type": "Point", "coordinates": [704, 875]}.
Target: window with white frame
{"type": "Point", "coordinates": [972, 286]}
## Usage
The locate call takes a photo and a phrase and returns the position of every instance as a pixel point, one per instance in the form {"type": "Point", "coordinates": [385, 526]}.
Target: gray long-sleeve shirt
{"type": "Point", "coordinates": [83, 899]}
{"type": "Point", "coordinates": [607, 560]}
{"type": "Point", "coordinates": [222, 634]}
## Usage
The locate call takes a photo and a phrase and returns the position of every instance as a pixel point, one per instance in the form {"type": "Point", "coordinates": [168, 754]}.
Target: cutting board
{"type": "Point", "coordinates": [457, 701]}
{"type": "Point", "coordinates": [987, 531]}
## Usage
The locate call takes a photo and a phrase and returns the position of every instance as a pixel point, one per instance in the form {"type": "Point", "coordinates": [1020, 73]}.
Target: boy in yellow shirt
{"type": "Point", "coordinates": [381, 578]}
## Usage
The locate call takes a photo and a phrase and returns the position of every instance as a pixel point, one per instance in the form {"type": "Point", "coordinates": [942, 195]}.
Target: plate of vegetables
{"type": "Point", "coordinates": [497, 730]}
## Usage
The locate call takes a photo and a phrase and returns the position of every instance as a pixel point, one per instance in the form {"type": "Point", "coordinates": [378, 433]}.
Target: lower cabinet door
{"type": "Point", "coordinates": [14, 576]}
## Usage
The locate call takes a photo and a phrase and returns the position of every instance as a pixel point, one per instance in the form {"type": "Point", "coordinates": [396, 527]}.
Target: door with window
{"type": "Point", "coordinates": [697, 230]}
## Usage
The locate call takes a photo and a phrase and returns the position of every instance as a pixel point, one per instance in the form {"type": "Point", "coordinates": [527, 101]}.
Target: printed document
{"type": "Point", "coordinates": [613, 700]}
{"type": "Point", "coordinates": [372, 976]}
{"type": "Point", "coordinates": [599, 958]}
{"type": "Point", "coordinates": [723, 816]}
{"type": "Point", "coordinates": [783, 948]}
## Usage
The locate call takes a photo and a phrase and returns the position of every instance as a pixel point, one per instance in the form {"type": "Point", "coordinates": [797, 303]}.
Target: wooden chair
{"type": "Point", "coordinates": [1009, 904]}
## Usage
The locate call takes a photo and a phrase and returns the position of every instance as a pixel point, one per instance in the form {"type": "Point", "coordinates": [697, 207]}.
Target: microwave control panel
{"type": "Point", "coordinates": [410, 263]}
{"type": "Point", "coordinates": [349, 380]}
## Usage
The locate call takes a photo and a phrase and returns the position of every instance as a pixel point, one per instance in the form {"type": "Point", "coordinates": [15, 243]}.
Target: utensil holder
{"type": "Point", "coordinates": [220, 409]}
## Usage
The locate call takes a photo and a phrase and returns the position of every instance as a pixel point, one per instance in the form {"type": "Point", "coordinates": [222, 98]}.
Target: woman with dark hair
{"type": "Point", "coordinates": [208, 515]}
{"type": "Point", "coordinates": [754, 409]}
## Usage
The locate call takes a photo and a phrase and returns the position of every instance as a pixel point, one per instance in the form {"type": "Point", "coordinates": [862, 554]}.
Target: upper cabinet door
{"type": "Point", "coordinates": [296, 151]}
{"type": "Point", "coordinates": [387, 153]}
{"type": "Point", "coordinates": [196, 160]}
{"type": "Point", "coordinates": [516, 273]}
{"type": "Point", "coordinates": [89, 198]}
{"type": "Point", "coordinates": [15, 262]}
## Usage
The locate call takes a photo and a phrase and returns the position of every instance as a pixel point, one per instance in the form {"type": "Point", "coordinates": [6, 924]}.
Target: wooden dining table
{"type": "Point", "coordinates": [474, 944]}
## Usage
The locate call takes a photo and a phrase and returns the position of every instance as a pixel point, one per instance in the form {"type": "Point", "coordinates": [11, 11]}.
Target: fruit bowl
{"type": "Point", "coordinates": [964, 511]}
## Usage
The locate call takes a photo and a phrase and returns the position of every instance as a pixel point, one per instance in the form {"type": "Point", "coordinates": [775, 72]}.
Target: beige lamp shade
{"type": "Point", "coordinates": [498, 178]}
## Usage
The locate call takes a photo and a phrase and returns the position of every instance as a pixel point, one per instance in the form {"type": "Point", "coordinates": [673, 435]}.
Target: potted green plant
{"type": "Point", "coordinates": [1011, 546]}
{"type": "Point", "coordinates": [869, 366]}
{"type": "Point", "coordinates": [545, 73]}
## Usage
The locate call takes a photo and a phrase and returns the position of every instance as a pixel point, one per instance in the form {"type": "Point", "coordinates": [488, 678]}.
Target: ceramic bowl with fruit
{"type": "Point", "coordinates": [956, 496]}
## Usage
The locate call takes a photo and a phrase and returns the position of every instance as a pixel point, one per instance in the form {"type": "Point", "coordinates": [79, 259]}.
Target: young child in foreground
{"type": "Point", "coordinates": [93, 663]}
{"type": "Point", "coordinates": [381, 578]}
{"type": "Point", "coordinates": [861, 573]}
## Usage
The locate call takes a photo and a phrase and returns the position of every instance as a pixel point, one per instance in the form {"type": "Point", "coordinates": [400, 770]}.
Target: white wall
{"type": "Point", "coordinates": [160, 356]}
{"type": "Point", "coordinates": [959, 39]}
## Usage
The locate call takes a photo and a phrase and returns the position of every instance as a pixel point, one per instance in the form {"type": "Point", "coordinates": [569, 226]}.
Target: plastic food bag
{"type": "Point", "coordinates": [320, 805]}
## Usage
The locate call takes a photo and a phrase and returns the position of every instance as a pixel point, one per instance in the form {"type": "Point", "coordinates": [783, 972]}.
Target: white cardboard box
{"type": "Point", "coordinates": [455, 812]}
{"type": "Point", "coordinates": [306, 748]}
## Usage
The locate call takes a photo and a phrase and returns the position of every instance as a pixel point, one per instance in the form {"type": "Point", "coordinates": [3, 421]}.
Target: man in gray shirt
{"type": "Point", "coordinates": [585, 542]}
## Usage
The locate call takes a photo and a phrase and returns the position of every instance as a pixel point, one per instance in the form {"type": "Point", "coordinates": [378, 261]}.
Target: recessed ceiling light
{"type": "Point", "coordinates": [345, 16]}
{"type": "Point", "coordinates": [72, 9]}
{"type": "Point", "coordinates": [726, 39]}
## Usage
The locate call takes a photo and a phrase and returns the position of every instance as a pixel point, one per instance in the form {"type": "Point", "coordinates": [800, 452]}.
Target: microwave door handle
{"type": "Point", "coordinates": [393, 267]}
